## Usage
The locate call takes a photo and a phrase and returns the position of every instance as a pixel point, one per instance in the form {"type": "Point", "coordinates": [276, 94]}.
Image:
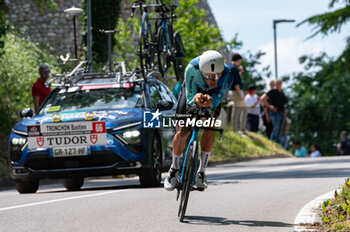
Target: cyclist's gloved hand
{"type": "Point", "coordinates": [203, 100]}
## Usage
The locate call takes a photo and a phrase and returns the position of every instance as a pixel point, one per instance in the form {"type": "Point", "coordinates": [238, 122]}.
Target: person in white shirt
{"type": "Point", "coordinates": [252, 102]}
{"type": "Point", "coordinates": [315, 151]}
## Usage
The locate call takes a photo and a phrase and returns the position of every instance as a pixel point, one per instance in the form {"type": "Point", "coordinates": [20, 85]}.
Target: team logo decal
{"type": "Point", "coordinates": [40, 141]}
{"type": "Point", "coordinates": [56, 117]}
{"type": "Point", "coordinates": [93, 138]}
{"type": "Point", "coordinates": [89, 116]}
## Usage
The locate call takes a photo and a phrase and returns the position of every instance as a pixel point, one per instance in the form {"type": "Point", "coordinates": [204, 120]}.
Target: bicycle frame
{"type": "Point", "coordinates": [193, 139]}
{"type": "Point", "coordinates": [168, 28]}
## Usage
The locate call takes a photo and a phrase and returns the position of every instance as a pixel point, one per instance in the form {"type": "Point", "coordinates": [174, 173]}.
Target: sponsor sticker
{"type": "Point", "coordinates": [53, 109]}
{"type": "Point", "coordinates": [67, 134]}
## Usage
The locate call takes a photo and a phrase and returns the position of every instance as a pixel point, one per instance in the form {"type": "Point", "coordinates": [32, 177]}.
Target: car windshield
{"type": "Point", "coordinates": [96, 99]}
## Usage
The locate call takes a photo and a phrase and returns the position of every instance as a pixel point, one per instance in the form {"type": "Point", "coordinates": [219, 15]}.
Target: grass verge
{"type": "Point", "coordinates": [236, 147]}
{"type": "Point", "coordinates": [336, 212]}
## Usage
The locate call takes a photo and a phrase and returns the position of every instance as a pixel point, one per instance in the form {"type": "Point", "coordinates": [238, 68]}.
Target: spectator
{"type": "Point", "coordinates": [315, 151]}
{"type": "Point", "coordinates": [240, 109]}
{"type": "Point", "coordinates": [39, 90]}
{"type": "Point", "coordinates": [275, 100]}
{"type": "Point", "coordinates": [284, 137]}
{"type": "Point", "coordinates": [300, 151]}
{"type": "Point", "coordinates": [344, 145]}
{"type": "Point", "coordinates": [252, 102]}
{"type": "Point", "coordinates": [266, 117]}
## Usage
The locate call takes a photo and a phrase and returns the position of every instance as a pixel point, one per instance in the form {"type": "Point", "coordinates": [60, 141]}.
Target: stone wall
{"type": "Point", "coordinates": [53, 28]}
{"type": "Point", "coordinates": [56, 28]}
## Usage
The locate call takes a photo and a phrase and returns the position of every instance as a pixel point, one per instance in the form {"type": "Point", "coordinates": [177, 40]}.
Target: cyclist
{"type": "Point", "coordinates": [207, 80]}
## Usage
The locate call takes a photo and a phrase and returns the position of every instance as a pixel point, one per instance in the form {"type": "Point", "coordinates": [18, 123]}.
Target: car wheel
{"type": "Point", "coordinates": [151, 177]}
{"type": "Point", "coordinates": [73, 184]}
{"type": "Point", "coordinates": [30, 186]}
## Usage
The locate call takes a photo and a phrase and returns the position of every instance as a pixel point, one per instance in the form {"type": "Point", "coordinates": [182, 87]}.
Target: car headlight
{"type": "Point", "coordinates": [18, 141]}
{"type": "Point", "coordinates": [17, 146]}
{"type": "Point", "coordinates": [132, 137]}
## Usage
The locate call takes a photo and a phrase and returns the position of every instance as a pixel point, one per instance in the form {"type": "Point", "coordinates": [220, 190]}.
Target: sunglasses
{"type": "Point", "coordinates": [212, 77]}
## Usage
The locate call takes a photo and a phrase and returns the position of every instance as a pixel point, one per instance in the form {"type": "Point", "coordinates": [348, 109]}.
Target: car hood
{"type": "Point", "coordinates": [113, 118]}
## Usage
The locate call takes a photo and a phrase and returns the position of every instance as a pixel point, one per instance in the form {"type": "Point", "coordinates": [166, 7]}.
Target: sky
{"type": "Point", "coordinates": [252, 21]}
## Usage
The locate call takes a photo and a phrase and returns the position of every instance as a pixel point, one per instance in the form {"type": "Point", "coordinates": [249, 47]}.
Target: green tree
{"type": "Point", "coordinates": [321, 95]}
{"type": "Point", "coordinates": [321, 102]}
{"type": "Point", "coordinates": [4, 26]}
{"type": "Point", "coordinates": [251, 74]}
{"type": "Point", "coordinates": [331, 22]}
{"type": "Point", "coordinates": [104, 15]}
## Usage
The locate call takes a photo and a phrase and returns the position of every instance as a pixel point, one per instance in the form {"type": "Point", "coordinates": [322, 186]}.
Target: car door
{"type": "Point", "coordinates": [168, 130]}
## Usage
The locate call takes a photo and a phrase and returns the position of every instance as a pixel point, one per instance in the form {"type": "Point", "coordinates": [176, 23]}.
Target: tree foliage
{"type": "Point", "coordinates": [18, 71]}
{"type": "Point", "coordinates": [329, 22]}
{"type": "Point", "coordinates": [251, 75]}
{"type": "Point", "coordinates": [104, 15]}
{"type": "Point", "coordinates": [321, 101]}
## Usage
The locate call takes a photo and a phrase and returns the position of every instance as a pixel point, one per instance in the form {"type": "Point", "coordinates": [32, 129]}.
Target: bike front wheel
{"type": "Point", "coordinates": [146, 53]}
{"type": "Point", "coordinates": [179, 57]}
{"type": "Point", "coordinates": [187, 180]}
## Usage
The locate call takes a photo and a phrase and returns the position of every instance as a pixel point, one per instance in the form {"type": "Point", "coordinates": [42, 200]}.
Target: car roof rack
{"type": "Point", "coordinates": [80, 73]}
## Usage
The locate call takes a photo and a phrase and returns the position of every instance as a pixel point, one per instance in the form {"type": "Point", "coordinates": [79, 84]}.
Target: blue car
{"type": "Point", "coordinates": [94, 127]}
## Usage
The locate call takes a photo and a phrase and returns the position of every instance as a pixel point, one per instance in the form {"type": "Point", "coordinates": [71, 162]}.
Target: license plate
{"type": "Point", "coordinates": [69, 151]}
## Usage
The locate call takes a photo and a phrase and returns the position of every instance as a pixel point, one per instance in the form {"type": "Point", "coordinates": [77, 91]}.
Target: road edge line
{"type": "Point", "coordinates": [309, 214]}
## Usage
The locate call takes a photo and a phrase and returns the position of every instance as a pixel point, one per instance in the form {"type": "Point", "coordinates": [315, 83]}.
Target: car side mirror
{"type": "Point", "coordinates": [165, 105]}
{"type": "Point", "coordinates": [27, 112]}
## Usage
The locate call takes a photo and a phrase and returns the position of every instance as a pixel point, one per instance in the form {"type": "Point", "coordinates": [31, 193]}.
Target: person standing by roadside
{"type": "Point", "coordinates": [344, 146]}
{"type": "Point", "coordinates": [39, 90]}
{"type": "Point", "coordinates": [266, 117]}
{"type": "Point", "coordinates": [240, 109]}
{"type": "Point", "coordinates": [252, 102]}
{"type": "Point", "coordinates": [275, 101]}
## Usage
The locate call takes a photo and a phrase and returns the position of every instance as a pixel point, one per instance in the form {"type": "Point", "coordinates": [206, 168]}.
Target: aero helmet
{"type": "Point", "coordinates": [211, 62]}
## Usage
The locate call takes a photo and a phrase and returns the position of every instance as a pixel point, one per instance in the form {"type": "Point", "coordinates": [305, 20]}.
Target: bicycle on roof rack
{"type": "Point", "coordinates": [169, 43]}
{"type": "Point", "coordinates": [147, 41]}
{"type": "Point", "coordinates": [164, 42]}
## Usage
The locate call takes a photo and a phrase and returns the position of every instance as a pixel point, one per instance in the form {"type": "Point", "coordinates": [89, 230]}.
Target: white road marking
{"type": "Point", "coordinates": [309, 214]}
{"type": "Point", "coordinates": [58, 200]}
{"type": "Point", "coordinates": [260, 171]}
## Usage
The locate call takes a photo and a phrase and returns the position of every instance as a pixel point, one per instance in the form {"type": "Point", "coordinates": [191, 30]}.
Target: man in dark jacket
{"type": "Point", "coordinates": [275, 101]}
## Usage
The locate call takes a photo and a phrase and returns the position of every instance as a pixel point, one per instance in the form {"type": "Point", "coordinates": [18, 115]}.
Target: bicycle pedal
{"type": "Point", "coordinates": [198, 189]}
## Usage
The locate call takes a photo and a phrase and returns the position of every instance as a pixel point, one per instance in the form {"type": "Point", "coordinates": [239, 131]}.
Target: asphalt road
{"type": "Point", "coordinates": [262, 195]}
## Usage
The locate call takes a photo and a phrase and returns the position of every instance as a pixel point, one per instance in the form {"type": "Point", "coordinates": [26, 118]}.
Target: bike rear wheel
{"type": "Point", "coordinates": [162, 50]}
{"type": "Point", "coordinates": [179, 57]}
{"type": "Point", "coordinates": [187, 180]}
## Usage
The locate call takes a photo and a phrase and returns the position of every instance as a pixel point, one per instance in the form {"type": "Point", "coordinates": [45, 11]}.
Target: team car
{"type": "Point", "coordinates": [93, 125]}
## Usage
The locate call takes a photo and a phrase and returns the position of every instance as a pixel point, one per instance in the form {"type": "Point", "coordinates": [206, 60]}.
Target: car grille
{"type": "Point", "coordinates": [96, 159]}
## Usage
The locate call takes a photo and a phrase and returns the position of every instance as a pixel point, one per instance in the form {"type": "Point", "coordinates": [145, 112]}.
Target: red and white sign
{"type": "Point", "coordinates": [93, 139]}
{"type": "Point", "coordinates": [68, 135]}
{"type": "Point", "coordinates": [99, 127]}
{"type": "Point", "coordinates": [40, 141]}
